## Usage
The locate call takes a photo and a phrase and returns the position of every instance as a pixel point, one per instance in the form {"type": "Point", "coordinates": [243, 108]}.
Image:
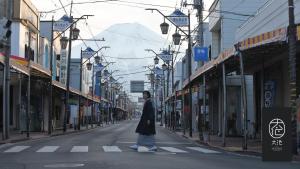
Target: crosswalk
{"type": "Point", "coordinates": [107, 149]}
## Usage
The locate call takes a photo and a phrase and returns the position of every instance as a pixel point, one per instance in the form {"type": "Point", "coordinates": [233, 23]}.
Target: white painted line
{"type": "Point", "coordinates": [48, 149]}
{"type": "Point", "coordinates": [173, 150]}
{"type": "Point", "coordinates": [158, 142]}
{"type": "Point", "coordinates": [142, 149]}
{"type": "Point", "coordinates": [203, 150]}
{"type": "Point", "coordinates": [80, 149]}
{"type": "Point", "coordinates": [16, 149]}
{"type": "Point", "coordinates": [111, 149]}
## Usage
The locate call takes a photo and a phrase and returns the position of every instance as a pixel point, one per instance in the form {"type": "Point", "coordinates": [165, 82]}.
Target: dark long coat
{"type": "Point", "coordinates": [148, 114]}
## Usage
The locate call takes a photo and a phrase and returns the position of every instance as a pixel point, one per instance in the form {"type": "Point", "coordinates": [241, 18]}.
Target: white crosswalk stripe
{"type": "Point", "coordinates": [202, 150]}
{"type": "Point", "coordinates": [80, 149]}
{"type": "Point", "coordinates": [107, 149]}
{"type": "Point", "coordinates": [48, 149]}
{"type": "Point", "coordinates": [142, 149]}
{"type": "Point", "coordinates": [173, 150]}
{"type": "Point", "coordinates": [16, 149]}
{"type": "Point", "coordinates": [111, 149]}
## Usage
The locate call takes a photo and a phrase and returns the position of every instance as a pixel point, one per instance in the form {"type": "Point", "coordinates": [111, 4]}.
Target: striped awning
{"type": "Point", "coordinates": [39, 71]}
{"type": "Point", "coordinates": [17, 63]}
{"type": "Point", "coordinates": [59, 85]}
{"type": "Point", "coordinates": [298, 32]}
{"type": "Point", "coordinates": [265, 38]}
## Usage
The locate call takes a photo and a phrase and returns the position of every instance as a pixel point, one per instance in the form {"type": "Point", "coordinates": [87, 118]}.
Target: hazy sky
{"type": "Point", "coordinates": [109, 13]}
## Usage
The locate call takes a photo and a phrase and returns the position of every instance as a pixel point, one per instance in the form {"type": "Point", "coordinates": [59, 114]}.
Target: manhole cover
{"type": "Point", "coordinates": [63, 165]}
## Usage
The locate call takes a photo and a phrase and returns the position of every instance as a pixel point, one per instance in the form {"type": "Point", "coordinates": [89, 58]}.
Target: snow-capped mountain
{"type": "Point", "coordinates": [127, 40]}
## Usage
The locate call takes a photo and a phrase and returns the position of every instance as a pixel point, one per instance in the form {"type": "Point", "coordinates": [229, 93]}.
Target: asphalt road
{"type": "Point", "coordinates": [108, 148]}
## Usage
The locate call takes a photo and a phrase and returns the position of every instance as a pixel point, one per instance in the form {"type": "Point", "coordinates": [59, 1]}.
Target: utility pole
{"type": "Point", "coordinates": [6, 85]}
{"type": "Point", "coordinates": [294, 87]}
{"type": "Point", "coordinates": [292, 53]}
{"type": "Point", "coordinates": [67, 106]}
{"type": "Point", "coordinates": [199, 6]}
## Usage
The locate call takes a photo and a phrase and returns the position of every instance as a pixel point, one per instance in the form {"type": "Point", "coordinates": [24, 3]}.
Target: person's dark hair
{"type": "Point", "coordinates": [148, 93]}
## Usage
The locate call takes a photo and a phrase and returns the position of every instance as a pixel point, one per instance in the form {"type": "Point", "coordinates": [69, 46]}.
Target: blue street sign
{"type": "Point", "coordinates": [87, 53]}
{"type": "Point", "coordinates": [200, 53]}
{"type": "Point", "coordinates": [179, 18]}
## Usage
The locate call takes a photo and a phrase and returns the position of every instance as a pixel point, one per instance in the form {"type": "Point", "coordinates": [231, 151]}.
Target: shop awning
{"type": "Point", "coordinates": [75, 91]}
{"type": "Point", "coordinates": [58, 84]}
{"type": "Point", "coordinates": [277, 35]}
{"type": "Point", "coordinates": [38, 70]}
{"type": "Point", "coordinates": [17, 63]}
{"type": "Point", "coordinates": [298, 32]}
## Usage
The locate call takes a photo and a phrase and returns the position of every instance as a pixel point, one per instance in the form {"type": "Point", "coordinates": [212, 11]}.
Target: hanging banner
{"type": "Point", "coordinates": [62, 24]}
{"type": "Point", "coordinates": [87, 53]}
{"type": "Point", "coordinates": [269, 94]}
{"type": "Point", "coordinates": [200, 53]}
{"type": "Point", "coordinates": [63, 66]}
{"type": "Point", "coordinates": [179, 18]}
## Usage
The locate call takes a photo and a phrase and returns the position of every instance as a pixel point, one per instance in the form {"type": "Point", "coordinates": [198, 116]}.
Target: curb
{"type": "Point", "coordinates": [47, 136]}
{"type": "Point", "coordinates": [235, 152]}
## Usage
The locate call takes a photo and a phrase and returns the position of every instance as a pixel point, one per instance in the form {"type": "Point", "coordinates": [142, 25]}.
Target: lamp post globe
{"type": "Point", "coordinates": [152, 77]}
{"type": "Point", "coordinates": [176, 38]}
{"type": "Point", "coordinates": [164, 28]}
{"type": "Point", "coordinates": [97, 59]}
{"type": "Point", "coordinates": [64, 42]}
{"type": "Point", "coordinates": [75, 33]}
{"type": "Point", "coordinates": [105, 72]}
{"type": "Point", "coordinates": [164, 66]}
{"type": "Point", "coordinates": [89, 66]}
{"type": "Point", "coordinates": [156, 60]}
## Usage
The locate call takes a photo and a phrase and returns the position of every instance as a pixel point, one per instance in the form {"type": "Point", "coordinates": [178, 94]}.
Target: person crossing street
{"type": "Point", "coordinates": [146, 126]}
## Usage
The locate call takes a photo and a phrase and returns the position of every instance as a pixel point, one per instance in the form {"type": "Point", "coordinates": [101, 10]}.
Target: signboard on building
{"type": "Point", "coordinates": [136, 86]}
{"type": "Point", "coordinates": [62, 24]}
{"type": "Point", "coordinates": [277, 145]}
{"type": "Point", "coordinates": [179, 18]}
{"type": "Point", "coordinates": [200, 53]}
{"type": "Point", "coordinates": [63, 67]}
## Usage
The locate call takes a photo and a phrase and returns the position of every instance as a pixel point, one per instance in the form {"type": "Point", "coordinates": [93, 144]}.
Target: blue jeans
{"type": "Point", "coordinates": [144, 140]}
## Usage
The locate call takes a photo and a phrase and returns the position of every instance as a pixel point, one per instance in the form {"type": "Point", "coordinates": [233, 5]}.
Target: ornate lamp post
{"type": "Point", "coordinates": [176, 40]}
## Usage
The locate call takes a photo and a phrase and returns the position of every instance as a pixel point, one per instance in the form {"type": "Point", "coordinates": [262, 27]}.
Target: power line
{"type": "Point", "coordinates": [132, 73]}
{"type": "Point", "coordinates": [128, 58]}
{"type": "Point", "coordinates": [63, 6]}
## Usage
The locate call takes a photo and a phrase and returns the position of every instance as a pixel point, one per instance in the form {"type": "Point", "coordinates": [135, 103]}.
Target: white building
{"type": "Point", "coordinates": [224, 19]}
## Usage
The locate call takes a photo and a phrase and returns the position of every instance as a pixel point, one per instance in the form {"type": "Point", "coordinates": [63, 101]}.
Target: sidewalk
{"type": "Point", "coordinates": [233, 144]}
{"type": "Point", "coordinates": [16, 136]}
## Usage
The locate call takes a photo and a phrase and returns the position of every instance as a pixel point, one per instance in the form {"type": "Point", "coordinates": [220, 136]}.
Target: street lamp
{"type": "Point", "coordinates": [164, 66]}
{"type": "Point", "coordinates": [75, 33]}
{"type": "Point", "coordinates": [105, 72]}
{"type": "Point", "coordinates": [97, 59]}
{"type": "Point", "coordinates": [164, 27]}
{"type": "Point", "coordinates": [176, 38]}
{"type": "Point", "coordinates": [156, 60]}
{"type": "Point", "coordinates": [89, 66]}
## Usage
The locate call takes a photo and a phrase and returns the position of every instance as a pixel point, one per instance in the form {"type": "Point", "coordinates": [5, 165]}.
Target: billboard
{"type": "Point", "coordinates": [136, 86]}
